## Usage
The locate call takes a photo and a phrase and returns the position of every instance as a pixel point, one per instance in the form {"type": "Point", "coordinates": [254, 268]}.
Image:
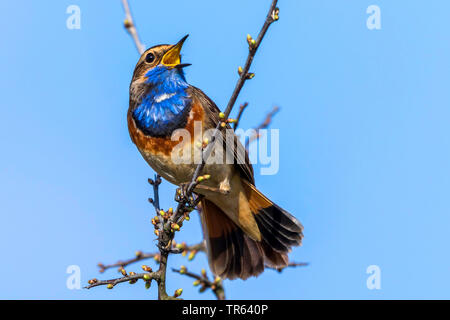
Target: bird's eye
{"type": "Point", "coordinates": [149, 58]}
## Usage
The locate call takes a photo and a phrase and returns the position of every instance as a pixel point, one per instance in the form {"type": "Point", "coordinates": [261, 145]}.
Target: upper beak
{"type": "Point", "coordinates": [171, 58]}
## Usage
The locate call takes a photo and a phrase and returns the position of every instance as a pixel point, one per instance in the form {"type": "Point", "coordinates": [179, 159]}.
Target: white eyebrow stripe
{"type": "Point", "coordinates": [163, 97]}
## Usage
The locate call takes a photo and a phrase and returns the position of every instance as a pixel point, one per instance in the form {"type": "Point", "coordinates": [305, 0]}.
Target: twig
{"type": "Point", "coordinates": [244, 75]}
{"type": "Point", "coordinates": [216, 286]}
{"type": "Point", "coordinates": [290, 265]}
{"type": "Point", "coordinates": [122, 264]}
{"type": "Point", "coordinates": [241, 111]}
{"type": "Point", "coordinates": [132, 278]}
{"type": "Point", "coordinates": [140, 256]}
{"type": "Point", "coordinates": [131, 28]}
{"type": "Point", "coordinates": [263, 125]}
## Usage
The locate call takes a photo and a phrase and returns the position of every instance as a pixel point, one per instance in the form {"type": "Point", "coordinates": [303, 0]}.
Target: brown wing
{"type": "Point", "coordinates": [241, 159]}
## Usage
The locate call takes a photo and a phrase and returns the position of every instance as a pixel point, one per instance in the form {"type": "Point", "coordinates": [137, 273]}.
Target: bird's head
{"type": "Point", "coordinates": [160, 63]}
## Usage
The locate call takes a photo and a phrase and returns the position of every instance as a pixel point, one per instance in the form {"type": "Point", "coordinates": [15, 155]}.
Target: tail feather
{"type": "Point", "coordinates": [233, 254]}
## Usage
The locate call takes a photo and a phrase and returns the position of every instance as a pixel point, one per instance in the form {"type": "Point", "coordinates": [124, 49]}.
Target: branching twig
{"type": "Point", "coordinates": [290, 265]}
{"type": "Point", "coordinates": [122, 264]}
{"type": "Point", "coordinates": [131, 278]}
{"type": "Point", "coordinates": [216, 286]}
{"type": "Point", "coordinates": [131, 28]}
{"type": "Point", "coordinates": [241, 111]}
{"type": "Point", "coordinates": [267, 121]}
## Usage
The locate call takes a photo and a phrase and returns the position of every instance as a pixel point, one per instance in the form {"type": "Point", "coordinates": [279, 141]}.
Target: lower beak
{"type": "Point", "coordinates": [171, 58]}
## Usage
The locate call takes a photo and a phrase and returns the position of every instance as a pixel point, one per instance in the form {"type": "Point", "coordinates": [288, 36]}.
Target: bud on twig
{"type": "Point", "coordinates": [178, 293]}
{"type": "Point", "coordinates": [275, 13]}
{"type": "Point", "coordinates": [251, 42]}
{"type": "Point", "coordinates": [192, 255]}
{"type": "Point", "coordinates": [146, 268]}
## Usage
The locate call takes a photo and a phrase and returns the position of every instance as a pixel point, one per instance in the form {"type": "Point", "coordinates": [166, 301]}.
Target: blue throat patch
{"type": "Point", "coordinates": [166, 105]}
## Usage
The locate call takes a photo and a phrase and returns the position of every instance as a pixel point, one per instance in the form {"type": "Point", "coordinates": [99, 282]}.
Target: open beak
{"type": "Point", "coordinates": [171, 58]}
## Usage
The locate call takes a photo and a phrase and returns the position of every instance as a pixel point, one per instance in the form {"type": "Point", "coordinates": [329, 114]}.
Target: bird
{"type": "Point", "coordinates": [245, 232]}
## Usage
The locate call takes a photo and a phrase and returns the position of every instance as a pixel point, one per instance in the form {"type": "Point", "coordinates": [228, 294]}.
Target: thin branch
{"type": "Point", "coordinates": [122, 264]}
{"type": "Point", "coordinates": [132, 278]}
{"type": "Point", "coordinates": [140, 256]}
{"type": "Point", "coordinates": [216, 286]}
{"type": "Point", "coordinates": [131, 28]}
{"type": "Point", "coordinates": [267, 121]}
{"type": "Point", "coordinates": [241, 111]}
{"type": "Point", "coordinates": [291, 265]}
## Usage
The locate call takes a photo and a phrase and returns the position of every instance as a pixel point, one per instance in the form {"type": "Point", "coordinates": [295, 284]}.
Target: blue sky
{"type": "Point", "coordinates": [364, 150]}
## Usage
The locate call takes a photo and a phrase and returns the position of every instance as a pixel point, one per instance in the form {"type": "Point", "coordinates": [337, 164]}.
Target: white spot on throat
{"type": "Point", "coordinates": [163, 97]}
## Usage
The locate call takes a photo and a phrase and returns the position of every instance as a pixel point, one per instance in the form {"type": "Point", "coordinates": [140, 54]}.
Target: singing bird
{"type": "Point", "coordinates": [244, 230]}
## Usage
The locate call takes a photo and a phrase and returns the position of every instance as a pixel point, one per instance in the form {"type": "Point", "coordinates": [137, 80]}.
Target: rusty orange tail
{"type": "Point", "coordinates": [233, 254]}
